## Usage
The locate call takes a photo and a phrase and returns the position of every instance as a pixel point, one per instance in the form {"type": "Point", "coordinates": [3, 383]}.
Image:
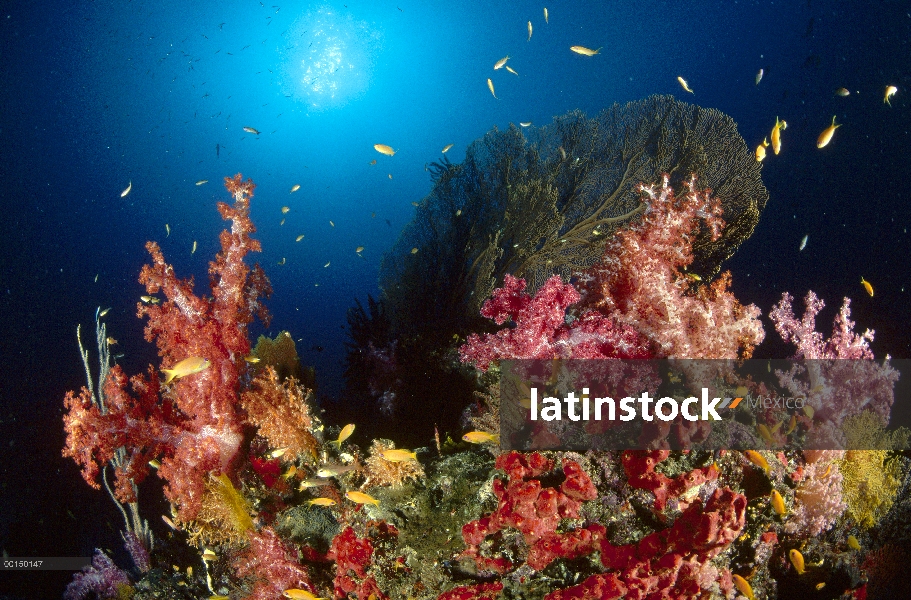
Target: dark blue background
{"type": "Point", "coordinates": [96, 94]}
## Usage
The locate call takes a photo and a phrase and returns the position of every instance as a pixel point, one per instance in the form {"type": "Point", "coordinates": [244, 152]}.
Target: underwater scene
{"type": "Point", "coordinates": [455, 301]}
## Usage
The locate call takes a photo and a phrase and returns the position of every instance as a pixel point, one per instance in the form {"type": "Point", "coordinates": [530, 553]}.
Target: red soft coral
{"type": "Point", "coordinates": [197, 428]}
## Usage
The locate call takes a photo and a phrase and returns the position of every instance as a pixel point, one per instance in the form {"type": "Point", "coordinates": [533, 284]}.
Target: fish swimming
{"type": "Point", "coordinates": [584, 51]}
{"type": "Point", "coordinates": [490, 86]}
{"type": "Point", "coordinates": [187, 366]}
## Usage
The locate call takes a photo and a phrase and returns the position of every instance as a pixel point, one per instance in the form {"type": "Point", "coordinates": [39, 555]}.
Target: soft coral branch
{"type": "Point", "coordinates": [198, 427]}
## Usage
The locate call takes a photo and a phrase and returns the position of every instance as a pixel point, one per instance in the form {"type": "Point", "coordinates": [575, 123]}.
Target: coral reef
{"type": "Point", "coordinates": [273, 507]}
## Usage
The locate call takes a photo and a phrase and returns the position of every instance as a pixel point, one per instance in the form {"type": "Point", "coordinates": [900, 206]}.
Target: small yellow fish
{"type": "Point", "coordinates": [826, 136]}
{"type": "Point", "coordinates": [743, 586]}
{"type": "Point", "coordinates": [459, 213]}
{"type": "Point", "coordinates": [760, 153]}
{"type": "Point", "coordinates": [691, 276]}
{"type": "Point", "coordinates": [167, 229]}
{"type": "Point", "coordinates": [155, 463]}
{"type": "Point", "coordinates": [202, 181]}
{"type": "Point", "coordinates": [285, 209]}
{"type": "Point", "coordinates": [529, 32]}
{"type": "Point", "coordinates": [867, 286]}
{"type": "Point", "coordinates": [294, 188]}
{"type": "Point", "coordinates": [820, 585]}
{"type": "Point", "coordinates": [757, 459]}
{"type": "Point", "coordinates": [759, 76]}
{"type": "Point", "coordinates": [398, 455]}
{"type": "Point", "coordinates": [809, 410]}
{"type": "Point", "coordinates": [148, 299]}
{"type": "Point", "coordinates": [282, 222]}
{"type": "Point", "coordinates": [584, 51]}
{"type": "Point", "coordinates": [797, 560]}
{"type": "Point", "coordinates": [327, 264]}
{"type": "Point", "coordinates": [101, 313]}
{"type": "Point", "coordinates": [853, 544]}
{"type": "Point", "coordinates": [384, 149]}
{"type": "Point", "coordinates": [447, 147]}
{"type": "Point", "coordinates": [778, 503]}
{"type": "Point", "coordinates": [792, 425]}
{"type": "Point", "coordinates": [359, 249]}
{"type": "Point", "coordinates": [765, 433]}
{"type": "Point", "coordinates": [490, 87]}
{"type": "Point", "coordinates": [684, 85]}
{"type": "Point", "coordinates": [415, 204]}
{"type": "Point", "coordinates": [414, 250]}
{"type": "Point", "coordinates": [343, 435]}
{"type": "Point", "coordinates": [481, 437]}
{"type": "Point", "coordinates": [251, 130]}
{"type": "Point", "coordinates": [298, 594]}
{"type": "Point", "coordinates": [127, 190]}
{"type": "Point", "coordinates": [279, 453]}
{"type": "Point", "coordinates": [299, 238]}
{"type": "Point", "coordinates": [331, 223]}
{"type": "Point", "coordinates": [776, 135]}
{"type": "Point", "coordinates": [545, 15]}
{"type": "Point", "coordinates": [890, 91]}
{"type": "Point", "coordinates": [219, 597]}
{"type": "Point", "coordinates": [390, 176]}
{"type": "Point", "coordinates": [321, 502]}
{"type": "Point", "coordinates": [499, 64]}
{"type": "Point", "coordinates": [193, 250]}
{"type": "Point", "coordinates": [842, 92]}
{"type": "Point", "coordinates": [362, 498]}
{"type": "Point", "coordinates": [803, 242]}
{"type": "Point", "coordinates": [187, 366]}
{"type": "Point", "coordinates": [525, 124]}
{"type": "Point", "coordinates": [252, 359]}
{"type": "Point", "coordinates": [207, 554]}
{"type": "Point", "coordinates": [511, 70]}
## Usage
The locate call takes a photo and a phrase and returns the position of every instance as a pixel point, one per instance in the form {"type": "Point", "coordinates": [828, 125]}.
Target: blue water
{"type": "Point", "coordinates": [157, 93]}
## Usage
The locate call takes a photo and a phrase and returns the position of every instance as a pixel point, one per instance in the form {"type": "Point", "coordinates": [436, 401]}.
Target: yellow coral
{"type": "Point", "coordinates": [870, 479]}
{"type": "Point", "coordinates": [224, 517]}
{"type": "Point", "coordinates": [381, 472]}
{"type": "Point", "coordinates": [281, 413]}
{"type": "Point", "coordinates": [281, 353]}
{"type": "Point", "coordinates": [869, 484]}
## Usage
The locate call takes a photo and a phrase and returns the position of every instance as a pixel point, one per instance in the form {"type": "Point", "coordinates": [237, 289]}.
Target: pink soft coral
{"type": "Point", "coordinates": [641, 281]}
{"type": "Point", "coordinates": [541, 331]}
{"type": "Point", "coordinates": [636, 303]}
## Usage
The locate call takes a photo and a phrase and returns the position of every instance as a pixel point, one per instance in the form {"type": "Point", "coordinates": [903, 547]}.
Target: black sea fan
{"type": "Point", "coordinates": [536, 202]}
